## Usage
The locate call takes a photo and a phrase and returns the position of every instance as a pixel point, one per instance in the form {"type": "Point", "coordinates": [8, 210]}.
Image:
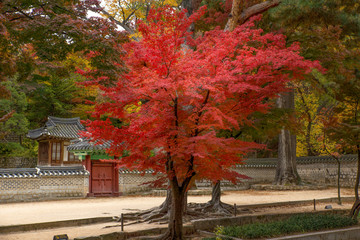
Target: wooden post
{"type": "Point", "coordinates": [49, 153]}
{"type": "Point", "coordinates": [89, 168]}
{"type": "Point", "coordinates": [235, 210]}
{"type": "Point", "coordinates": [314, 205]}
{"type": "Point", "coordinates": [122, 222]}
{"type": "Point", "coordinates": [62, 153]}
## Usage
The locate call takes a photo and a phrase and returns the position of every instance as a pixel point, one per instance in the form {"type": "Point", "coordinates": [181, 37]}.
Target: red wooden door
{"type": "Point", "coordinates": [102, 178]}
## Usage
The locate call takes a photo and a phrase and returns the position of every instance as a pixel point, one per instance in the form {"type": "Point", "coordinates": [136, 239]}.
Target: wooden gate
{"type": "Point", "coordinates": [104, 180]}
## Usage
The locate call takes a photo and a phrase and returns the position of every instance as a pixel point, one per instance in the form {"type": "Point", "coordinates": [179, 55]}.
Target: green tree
{"type": "Point", "coordinates": [53, 97]}
{"type": "Point", "coordinates": [329, 31]}
{"type": "Point", "coordinates": [16, 103]}
{"type": "Point", "coordinates": [38, 41]}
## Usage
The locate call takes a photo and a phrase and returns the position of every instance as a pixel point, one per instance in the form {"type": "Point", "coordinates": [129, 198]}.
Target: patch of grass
{"type": "Point", "coordinates": [299, 223]}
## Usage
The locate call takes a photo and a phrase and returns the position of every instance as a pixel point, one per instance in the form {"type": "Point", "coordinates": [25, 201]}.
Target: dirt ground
{"type": "Point", "coordinates": [48, 211]}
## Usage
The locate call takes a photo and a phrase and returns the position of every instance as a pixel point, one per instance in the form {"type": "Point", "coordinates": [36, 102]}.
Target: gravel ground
{"type": "Point", "coordinates": [48, 211]}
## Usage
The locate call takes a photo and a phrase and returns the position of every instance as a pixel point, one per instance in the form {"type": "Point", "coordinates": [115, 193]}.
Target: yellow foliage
{"type": "Point", "coordinates": [133, 108]}
{"type": "Point", "coordinates": [76, 60]}
{"type": "Point", "coordinates": [308, 108]}
{"type": "Point", "coordinates": [128, 11]}
{"type": "Point", "coordinates": [84, 110]}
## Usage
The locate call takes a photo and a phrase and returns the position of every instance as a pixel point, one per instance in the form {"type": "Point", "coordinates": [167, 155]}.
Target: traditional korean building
{"type": "Point", "coordinates": [104, 176]}
{"type": "Point", "coordinates": [53, 140]}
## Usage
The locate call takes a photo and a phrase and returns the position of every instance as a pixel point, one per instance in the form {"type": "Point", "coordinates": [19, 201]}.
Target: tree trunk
{"type": "Point", "coordinates": [338, 174]}
{"type": "Point", "coordinates": [338, 180]}
{"type": "Point", "coordinates": [356, 207]}
{"type": "Point", "coordinates": [286, 172]}
{"type": "Point", "coordinates": [215, 205]}
{"type": "Point", "coordinates": [190, 5]}
{"type": "Point", "coordinates": [216, 194]}
{"type": "Point", "coordinates": [165, 206]}
{"type": "Point", "coordinates": [176, 214]}
{"type": "Point", "coordinates": [175, 229]}
{"type": "Point", "coordinates": [309, 147]}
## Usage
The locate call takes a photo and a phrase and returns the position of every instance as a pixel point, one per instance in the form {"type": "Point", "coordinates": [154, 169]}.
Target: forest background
{"type": "Point", "coordinates": [51, 49]}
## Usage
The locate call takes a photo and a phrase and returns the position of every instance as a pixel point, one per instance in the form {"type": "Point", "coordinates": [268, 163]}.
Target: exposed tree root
{"type": "Point", "coordinates": [194, 211]}
{"type": "Point", "coordinates": [154, 215]}
{"type": "Point", "coordinates": [161, 214]}
{"type": "Point", "coordinates": [217, 207]}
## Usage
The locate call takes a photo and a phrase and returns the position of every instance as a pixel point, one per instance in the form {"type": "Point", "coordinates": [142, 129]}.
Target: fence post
{"type": "Point", "coordinates": [122, 222]}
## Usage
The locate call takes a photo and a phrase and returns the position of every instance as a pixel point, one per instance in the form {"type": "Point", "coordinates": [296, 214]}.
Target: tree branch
{"type": "Point", "coordinates": [126, 27]}
{"type": "Point", "coordinates": [238, 18]}
{"type": "Point", "coordinates": [257, 9]}
{"type": "Point", "coordinates": [197, 131]}
{"type": "Point", "coordinates": [7, 116]}
{"type": "Point", "coordinates": [20, 11]}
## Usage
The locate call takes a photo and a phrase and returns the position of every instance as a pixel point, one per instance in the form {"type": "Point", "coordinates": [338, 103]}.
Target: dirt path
{"type": "Point", "coordinates": [23, 213]}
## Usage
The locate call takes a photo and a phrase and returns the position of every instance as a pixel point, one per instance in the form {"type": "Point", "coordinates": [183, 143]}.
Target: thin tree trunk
{"type": "Point", "coordinates": [356, 207]}
{"type": "Point", "coordinates": [338, 171]}
{"type": "Point", "coordinates": [309, 148]}
{"type": "Point", "coordinates": [310, 152]}
{"type": "Point", "coordinates": [286, 172]}
{"type": "Point", "coordinates": [338, 179]}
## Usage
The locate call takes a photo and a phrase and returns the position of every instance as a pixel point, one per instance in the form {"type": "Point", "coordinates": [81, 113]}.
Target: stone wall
{"type": "Point", "coordinates": [134, 181]}
{"type": "Point", "coordinates": [312, 170]}
{"type": "Point", "coordinates": [33, 184]}
{"type": "Point", "coordinates": [255, 175]}
{"type": "Point", "coordinates": [17, 162]}
{"type": "Point", "coordinates": [42, 183]}
{"type": "Point", "coordinates": [327, 174]}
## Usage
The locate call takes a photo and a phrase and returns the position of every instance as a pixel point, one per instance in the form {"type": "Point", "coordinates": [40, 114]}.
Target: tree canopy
{"type": "Point", "coordinates": [188, 93]}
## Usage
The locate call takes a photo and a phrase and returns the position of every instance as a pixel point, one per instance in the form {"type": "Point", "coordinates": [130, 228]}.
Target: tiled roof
{"type": "Point", "coordinates": [87, 146]}
{"type": "Point", "coordinates": [125, 171]}
{"type": "Point", "coordinates": [43, 172]}
{"type": "Point", "coordinates": [64, 128]}
{"type": "Point", "coordinates": [272, 162]}
{"type": "Point", "coordinates": [258, 162]}
{"type": "Point", "coordinates": [326, 159]}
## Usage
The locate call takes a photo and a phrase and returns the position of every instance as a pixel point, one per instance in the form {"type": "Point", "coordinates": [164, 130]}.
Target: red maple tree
{"type": "Point", "coordinates": [179, 91]}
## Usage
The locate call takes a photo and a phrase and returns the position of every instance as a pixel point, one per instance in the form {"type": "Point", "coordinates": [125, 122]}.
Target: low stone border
{"type": "Point", "coordinates": [301, 202]}
{"type": "Point", "coordinates": [139, 235]}
{"type": "Point", "coordinates": [56, 224]}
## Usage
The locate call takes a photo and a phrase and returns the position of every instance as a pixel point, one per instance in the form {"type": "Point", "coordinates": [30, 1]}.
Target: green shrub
{"type": "Point", "coordinates": [12, 149]}
{"type": "Point", "coordinates": [295, 224]}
